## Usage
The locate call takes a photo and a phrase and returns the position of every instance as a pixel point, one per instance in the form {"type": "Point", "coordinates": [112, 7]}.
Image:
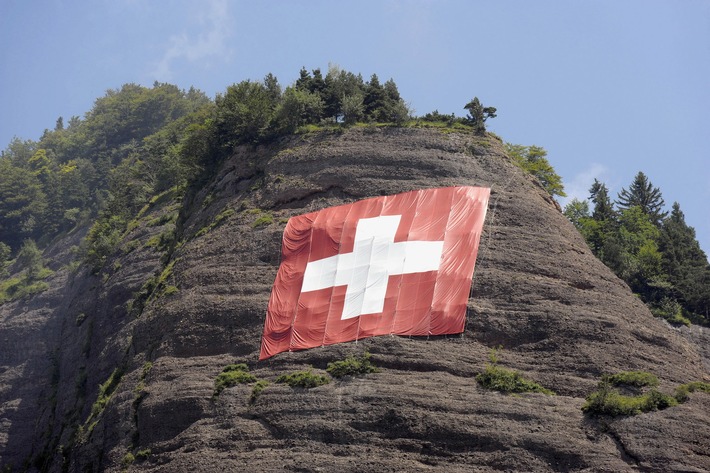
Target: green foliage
{"type": "Point", "coordinates": [682, 392]}
{"type": "Point", "coordinates": [142, 455]}
{"type": "Point", "coordinates": [5, 252]}
{"type": "Point", "coordinates": [445, 120]}
{"type": "Point", "coordinates": [244, 113]}
{"type": "Point", "coordinates": [155, 286]}
{"type": "Point", "coordinates": [577, 211]}
{"type": "Point", "coordinates": [20, 288]}
{"type": "Point", "coordinates": [671, 310]}
{"type": "Point", "coordinates": [303, 379]}
{"type": "Point", "coordinates": [128, 459]}
{"type": "Point", "coordinates": [607, 401]}
{"type": "Point", "coordinates": [221, 217]}
{"type": "Point", "coordinates": [162, 241]}
{"type": "Point", "coordinates": [30, 259]}
{"type": "Point", "coordinates": [351, 366]}
{"type": "Point", "coordinates": [232, 375]}
{"type": "Point", "coordinates": [102, 241]}
{"type": "Point", "coordinates": [478, 114]}
{"type": "Point", "coordinates": [642, 194]}
{"type": "Point", "coordinates": [147, 366]}
{"type": "Point", "coordinates": [631, 378]}
{"type": "Point", "coordinates": [685, 266]}
{"type": "Point", "coordinates": [170, 290]}
{"type": "Point", "coordinates": [299, 107]}
{"type": "Point", "coordinates": [23, 203]}
{"type": "Point", "coordinates": [98, 165]}
{"type": "Point", "coordinates": [263, 220]}
{"type": "Point", "coordinates": [532, 159]}
{"type": "Point", "coordinates": [106, 390]}
{"type": "Point", "coordinates": [506, 380]}
{"type": "Point", "coordinates": [658, 256]}
{"type": "Point", "coordinates": [256, 391]}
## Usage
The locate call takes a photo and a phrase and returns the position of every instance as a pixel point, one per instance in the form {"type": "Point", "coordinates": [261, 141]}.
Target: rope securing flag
{"type": "Point", "coordinates": [399, 265]}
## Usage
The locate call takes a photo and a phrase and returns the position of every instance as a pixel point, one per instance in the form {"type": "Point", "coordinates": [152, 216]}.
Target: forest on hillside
{"type": "Point", "coordinates": [653, 250]}
{"type": "Point", "coordinates": [95, 174]}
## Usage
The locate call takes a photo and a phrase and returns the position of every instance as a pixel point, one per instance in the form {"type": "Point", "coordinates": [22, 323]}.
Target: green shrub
{"type": "Point", "coordinates": [263, 220]}
{"type": "Point", "coordinates": [162, 219]}
{"type": "Point", "coordinates": [232, 375]}
{"type": "Point", "coordinates": [508, 381]}
{"type": "Point", "coordinates": [607, 401]}
{"type": "Point", "coordinates": [303, 379]}
{"type": "Point", "coordinates": [102, 240]}
{"type": "Point", "coordinates": [19, 288]}
{"type": "Point", "coordinates": [130, 246]}
{"type": "Point", "coordinates": [256, 391]}
{"type": "Point", "coordinates": [670, 310]}
{"type": "Point", "coordinates": [236, 367]}
{"type": "Point", "coordinates": [352, 366]}
{"type": "Point", "coordinates": [142, 455]}
{"type": "Point", "coordinates": [631, 378]}
{"type": "Point", "coordinates": [682, 391]}
{"type": "Point", "coordinates": [128, 459]}
{"type": "Point", "coordinates": [147, 366]}
{"type": "Point", "coordinates": [657, 401]}
{"type": "Point", "coordinates": [170, 290]}
{"type": "Point", "coordinates": [106, 390]}
{"type": "Point", "coordinates": [162, 241]}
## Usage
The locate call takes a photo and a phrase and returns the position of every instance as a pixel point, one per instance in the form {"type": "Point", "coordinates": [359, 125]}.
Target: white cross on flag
{"type": "Point", "coordinates": [399, 264]}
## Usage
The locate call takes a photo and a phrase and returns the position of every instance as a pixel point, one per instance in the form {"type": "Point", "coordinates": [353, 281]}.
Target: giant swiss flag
{"type": "Point", "coordinates": [399, 264]}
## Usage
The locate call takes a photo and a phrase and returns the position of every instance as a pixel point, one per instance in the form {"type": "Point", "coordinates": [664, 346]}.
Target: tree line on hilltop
{"type": "Point", "coordinates": [138, 142]}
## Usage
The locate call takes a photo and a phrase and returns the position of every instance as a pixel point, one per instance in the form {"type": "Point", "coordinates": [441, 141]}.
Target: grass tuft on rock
{"type": "Point", "coordinates": [506, 380]}
{"type": "Point", "coordinates": [682, 392]}
{"type": "Point", "coordinates": [256, 390]}
{"type": "Point", "coordinates": [637, 379]}
{"type": "Point", "coordinates": [352, 366]}
{"type": "Point", "coordinates": [232, 375]}
{"type": "Point", "coordinates": [303, 379]}
{"type": "Point", "coordinates": [607, 401]}
{"type": "Point", "coordinates": [509, 381]}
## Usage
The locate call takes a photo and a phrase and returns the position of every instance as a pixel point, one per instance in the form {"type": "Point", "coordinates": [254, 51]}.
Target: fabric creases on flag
{"type": "Point", "coordinates": [391, 265]}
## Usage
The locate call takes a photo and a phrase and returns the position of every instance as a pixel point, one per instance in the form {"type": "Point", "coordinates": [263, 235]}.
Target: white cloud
{"type": "Point", "coordinates": [210, 42]}
{"type": "Point", "coordinates": [578, 187]}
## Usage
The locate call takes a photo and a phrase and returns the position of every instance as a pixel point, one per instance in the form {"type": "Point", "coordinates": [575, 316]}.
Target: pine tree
{"type": "Point", "coordinates": [478, 114]}
{"type": "Point", "coordinates": [641, 193]}
{"type": "Point", "coordinates": [304, 80]}
{"type": "Point", "coordinates": [374, 100]}
{"type": "Point", "coordinates": [686, 265]}
{"type": "Point", "coordinates": [603, 221]}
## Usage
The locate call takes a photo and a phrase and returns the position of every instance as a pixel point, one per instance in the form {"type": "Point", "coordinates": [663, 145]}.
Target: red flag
{"type": "Point", "coordinates": [399, 264]}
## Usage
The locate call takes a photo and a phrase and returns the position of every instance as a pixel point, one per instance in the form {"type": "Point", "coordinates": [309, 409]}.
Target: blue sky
{"type": "Point", "coordinates": [608, 87]}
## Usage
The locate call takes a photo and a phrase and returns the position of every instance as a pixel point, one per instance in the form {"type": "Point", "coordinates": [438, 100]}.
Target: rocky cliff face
{"type": "Point", "coordinates": [561, 316]}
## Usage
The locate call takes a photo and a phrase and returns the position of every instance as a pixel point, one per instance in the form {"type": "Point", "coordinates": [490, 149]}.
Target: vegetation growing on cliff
{"type": "Point", "coordinates": [139, 145]}
{"type": "Point", "coordinates": [607, 400]}
{"type": "Point", "coordinates": [353, 365]}
{"type": "Point", "coordinates": [655, 252]}
{"type": "Point", "coordinates": [506, 380]}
